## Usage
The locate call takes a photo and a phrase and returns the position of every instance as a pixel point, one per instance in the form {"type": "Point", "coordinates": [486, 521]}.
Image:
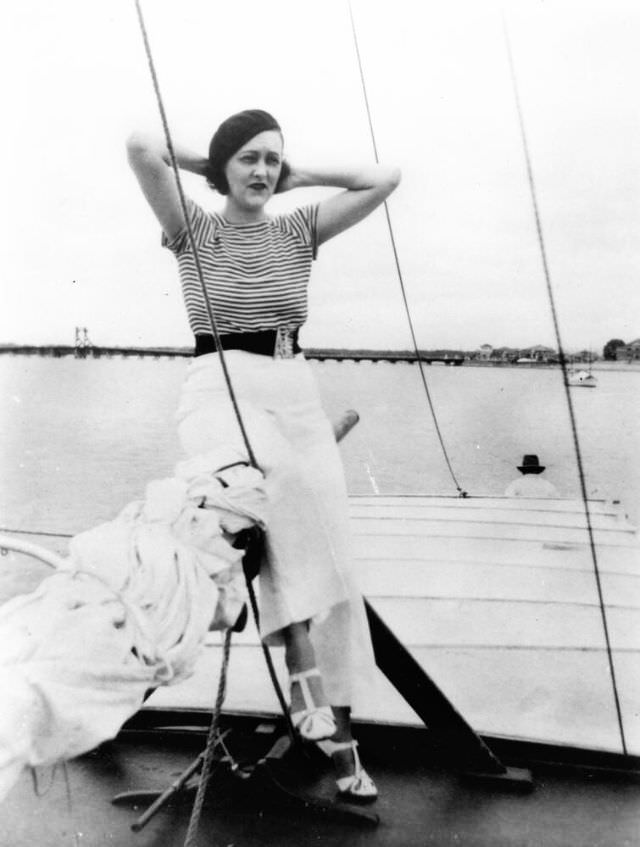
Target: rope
{"type": "Point", "coordinates": [212, 740]}
{"type": "Point", "coordinates": [196, 256]}
{"type": "Point", "coordinates": [271, 669]}
{"type": "Point", "coordinates": [565, 380]}
{"type": "Point", "coordinates": [214, 331]}
{"type": "Point", "coordinates": [461, 492]}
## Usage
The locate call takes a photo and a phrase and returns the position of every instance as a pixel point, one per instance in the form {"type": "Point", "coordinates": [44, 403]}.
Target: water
{"type": "Point", "coordinates": [82, 437]}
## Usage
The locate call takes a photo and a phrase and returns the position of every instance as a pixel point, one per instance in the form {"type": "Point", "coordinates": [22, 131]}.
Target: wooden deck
{"type": "Point", "coordinates": [420, 804]}
{"type": "Point", "coordinates": [497, 600]}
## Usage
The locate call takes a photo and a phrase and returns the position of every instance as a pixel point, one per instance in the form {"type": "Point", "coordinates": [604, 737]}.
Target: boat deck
{"type": "Point", "coordinates": [420, 804]}
{"type": "Point", "coordinates": [497, 600]}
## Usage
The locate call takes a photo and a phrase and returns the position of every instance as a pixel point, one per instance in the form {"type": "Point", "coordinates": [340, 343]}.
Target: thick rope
{"type": "Point", "coordinates": [212, 740]}
{"type": "Point", "coordinates": [192, 242]}
{"type": "Point", "coordinates": [461, 492]}
{"type": "Point", "coordinates": [565, 380]}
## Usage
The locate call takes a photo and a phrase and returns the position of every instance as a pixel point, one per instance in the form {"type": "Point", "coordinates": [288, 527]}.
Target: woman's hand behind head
{"type": "Point", "coordinates": [286, 180]}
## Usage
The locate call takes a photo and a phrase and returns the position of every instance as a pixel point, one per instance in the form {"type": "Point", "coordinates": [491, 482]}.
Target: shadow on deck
{"type": "Point", "coordinates": [421, 802]}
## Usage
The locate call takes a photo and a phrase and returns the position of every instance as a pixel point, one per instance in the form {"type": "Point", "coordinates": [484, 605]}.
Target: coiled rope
{"type": "Point", "coordinates": [211, 741]}
{"type": "Point", "coordinates": [396, 258]}
{"type": "Point", "coordinates": [565, 378]}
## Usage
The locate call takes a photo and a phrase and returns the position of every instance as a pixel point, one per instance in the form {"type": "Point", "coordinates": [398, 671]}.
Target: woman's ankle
{"type": "Point", "coordinates": [342, 715]}
{"type": "Point", "coordinates": [342, 735]}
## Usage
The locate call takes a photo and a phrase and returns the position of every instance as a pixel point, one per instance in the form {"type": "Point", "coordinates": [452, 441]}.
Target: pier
{"type": "Point", "coordinates": [92, 351]}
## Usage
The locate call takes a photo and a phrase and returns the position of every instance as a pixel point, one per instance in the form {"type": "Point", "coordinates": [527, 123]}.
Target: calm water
{"type": "Point", "coordinates": [81, 438]}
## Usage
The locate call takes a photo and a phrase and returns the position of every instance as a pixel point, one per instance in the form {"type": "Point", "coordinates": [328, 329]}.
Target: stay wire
{"type": "Point", "coordinates": [214, 331]}
{"type": "Point", "coordinates": [192, 242]}
{"type": "Point", "coordinates": [565, 379]}
{"type": "Point", "coordinates": [461, 492]}
{"type": "Point", "coordinates": [35, 532]}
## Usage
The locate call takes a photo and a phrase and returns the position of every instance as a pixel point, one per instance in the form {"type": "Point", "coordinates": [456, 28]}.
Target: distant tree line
{"type": "Point", "coordinates": [609, 349]}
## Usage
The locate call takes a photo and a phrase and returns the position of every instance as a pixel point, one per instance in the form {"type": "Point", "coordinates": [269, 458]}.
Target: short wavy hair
{"type": "Point", "coordinates": [231, 135]}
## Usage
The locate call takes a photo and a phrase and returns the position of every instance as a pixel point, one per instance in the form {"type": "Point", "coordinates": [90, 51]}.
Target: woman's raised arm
{"type": "Point", "coordinates": [367, 187]}
{"type": "Point", "coordinates": [150, 161]}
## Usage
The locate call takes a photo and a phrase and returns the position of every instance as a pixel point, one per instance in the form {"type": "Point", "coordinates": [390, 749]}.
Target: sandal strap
{"type": "Point", "coordinates": [313, 722]}
{"type": "Point", "coordinates": [359, 785]}
{"type": "Point", "coordinates": [297, 677]}
{"type": "Point", "coordinates": [301, 679]}
{"type": "Point", "coordinates": [329, 747]}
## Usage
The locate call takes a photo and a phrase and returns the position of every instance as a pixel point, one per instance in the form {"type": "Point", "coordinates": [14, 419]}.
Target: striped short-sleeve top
{"type": "Point", "coordinates": [256, 274]}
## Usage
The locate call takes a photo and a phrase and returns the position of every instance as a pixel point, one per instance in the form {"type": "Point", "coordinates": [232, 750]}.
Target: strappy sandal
{"type": "Point", "coordinates": [359, 786]}
{"type": "Point", "coordinates": [313, 723]}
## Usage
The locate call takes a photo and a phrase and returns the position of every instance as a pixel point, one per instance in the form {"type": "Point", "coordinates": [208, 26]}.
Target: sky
{"type": "Point", "coordinates": [81, 248]}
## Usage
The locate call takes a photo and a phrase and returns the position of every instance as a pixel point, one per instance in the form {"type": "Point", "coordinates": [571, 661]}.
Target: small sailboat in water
{"type": "Point", "coordinates": [581, 378]}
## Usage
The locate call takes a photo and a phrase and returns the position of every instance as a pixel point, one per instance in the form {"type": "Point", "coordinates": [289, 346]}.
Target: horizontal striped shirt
{"type": "Point", "coordinates": [256, 274]}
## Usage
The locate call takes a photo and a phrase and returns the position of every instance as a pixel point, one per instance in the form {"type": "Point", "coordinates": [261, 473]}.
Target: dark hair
{"type": "Point", "coordinates": [230, 136]}
{"type": "Point", "coordinates": [285, 170]}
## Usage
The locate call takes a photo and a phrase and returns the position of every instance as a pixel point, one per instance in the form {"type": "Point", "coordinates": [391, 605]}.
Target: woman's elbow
{"type": "Point", "coordinates": [143, 152]}
{"type": "Point", "coordinates": [137, 148]}
{"type": "Point", "coordinates": [394, 178]}
{"type": "Point", "coordinates": [135, 143]}
{"type": "Point", "coordinates": [388, 178]}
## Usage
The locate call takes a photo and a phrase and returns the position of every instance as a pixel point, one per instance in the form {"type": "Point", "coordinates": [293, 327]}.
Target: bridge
{"type": "Point", "coordinates": [92, 351]}
{"type": "Point", "coordinates": [445, 357]}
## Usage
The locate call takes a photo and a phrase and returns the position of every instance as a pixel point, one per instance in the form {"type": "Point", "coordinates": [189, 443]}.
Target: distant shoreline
{"type": "Point", "coordinates": [596, 366]}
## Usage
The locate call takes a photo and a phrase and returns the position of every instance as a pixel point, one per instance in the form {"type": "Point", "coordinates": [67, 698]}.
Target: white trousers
{"type": "Point", "coordinates": [306, 574]}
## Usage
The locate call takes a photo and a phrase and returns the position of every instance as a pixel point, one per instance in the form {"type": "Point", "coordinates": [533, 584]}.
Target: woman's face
{"type": "Point", "coordinates": [253, 170]}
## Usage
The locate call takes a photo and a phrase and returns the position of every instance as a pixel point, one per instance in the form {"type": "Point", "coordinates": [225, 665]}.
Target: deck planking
{"type": "Point", "coordinates": [498, 603]}
{"type": "Point", "coordinates": [504, 616]}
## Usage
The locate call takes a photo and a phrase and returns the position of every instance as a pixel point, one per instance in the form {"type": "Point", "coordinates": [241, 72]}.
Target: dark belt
{"type": "Point", "coordinates": [281, 343]}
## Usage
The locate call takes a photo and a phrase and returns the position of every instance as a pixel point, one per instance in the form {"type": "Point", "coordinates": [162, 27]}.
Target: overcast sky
{"type": "Point", "coordinates": [80, 247]}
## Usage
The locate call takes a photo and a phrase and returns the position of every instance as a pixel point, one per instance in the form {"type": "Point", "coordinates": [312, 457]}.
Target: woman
{"type": "Point", "coordinates": [256, 270]}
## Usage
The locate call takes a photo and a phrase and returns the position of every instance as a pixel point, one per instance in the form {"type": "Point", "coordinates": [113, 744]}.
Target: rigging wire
{"type": "Point", "coordinates": [35, 532]}
{"type": "Point", "coordinates": [396, 258]}
{"type": "Point", "coordinates": [565, 379]}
